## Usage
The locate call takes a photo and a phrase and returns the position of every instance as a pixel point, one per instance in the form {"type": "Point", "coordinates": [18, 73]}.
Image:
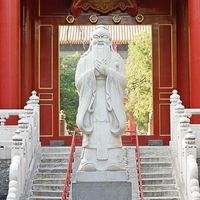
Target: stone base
{"type": "Point", "coordinates": [101, 185]}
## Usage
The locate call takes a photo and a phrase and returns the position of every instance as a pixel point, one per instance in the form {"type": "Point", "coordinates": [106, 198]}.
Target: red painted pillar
{"type": "Point", "coordinates": [194, 49]}
{"type": "Point", "coordinates": [9, 54]}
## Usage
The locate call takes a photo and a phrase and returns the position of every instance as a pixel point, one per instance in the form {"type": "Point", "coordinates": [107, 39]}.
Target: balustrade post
{"type": "Point", "coordinates": [183, 128]}
{"type": "Point", "coordinates": [23, 126]}
{"type": "Point", "coordinates": [195, 193]}
{"type": "Point", "coordinates": [12, 191]}
{"type": "Point", "coordinates": [17, 164]}
{"type": "Point", "coordinates": [34, 99]}
{"type": "Point", "coordinates": [29, 111]}
{"type": "Point", "coordinates": [173, 99]}
{"type": "Point", "coordinates": [178, 113]}
{"type": "Point", "coordinates": [3, 118]}
{"type": "Point", "coordinates": [189, 154]}
{"type": "Point", "coordinates": [34, 102]}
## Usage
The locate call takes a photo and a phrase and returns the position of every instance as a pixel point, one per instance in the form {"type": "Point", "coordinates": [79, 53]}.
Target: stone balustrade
{"type": "Point", "coordinates": [6, 113]}
{"type": "Point", "coordinates": [183, 143]}
{"type": "Point", "coordinates": [25, 149]}
{"type": "Point", "coordinates": [7, 131]}
{"type": "Point", "coordinates": [192, 111]}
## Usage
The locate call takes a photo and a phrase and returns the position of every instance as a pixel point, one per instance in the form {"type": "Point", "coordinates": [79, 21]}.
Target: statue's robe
{"type": "Point", "coordinates": [101, 115]}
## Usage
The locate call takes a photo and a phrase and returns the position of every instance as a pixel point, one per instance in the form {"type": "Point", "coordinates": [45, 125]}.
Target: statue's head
{"type": "Point", "coordinates": [101, 37]}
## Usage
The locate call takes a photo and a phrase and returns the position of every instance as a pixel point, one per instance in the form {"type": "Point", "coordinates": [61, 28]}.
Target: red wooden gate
{"type": "Point", "coordinates": [160, 15]}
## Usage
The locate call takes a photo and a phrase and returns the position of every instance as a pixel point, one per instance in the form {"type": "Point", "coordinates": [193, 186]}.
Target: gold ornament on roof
{"type": "Point", "coordinates": [70, 19]}
{"type": "Point", "coordinates": [139, 18]}
{"type": "Point", "coordinates": [93, 19]}
{"type": "Point", "coordinates": [116, 19]}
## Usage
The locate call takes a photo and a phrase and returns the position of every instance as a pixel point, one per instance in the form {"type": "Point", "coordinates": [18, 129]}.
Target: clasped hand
{"type": "Point", "coordinates": [101, 67]}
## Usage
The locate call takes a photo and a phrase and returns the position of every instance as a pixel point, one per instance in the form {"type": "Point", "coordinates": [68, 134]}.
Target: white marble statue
{"type": "Point", "coordinates": [100, 81]}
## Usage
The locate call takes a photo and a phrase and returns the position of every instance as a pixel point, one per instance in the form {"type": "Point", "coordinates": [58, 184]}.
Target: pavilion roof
{"type": "Point", "coordinates": [121, 34]}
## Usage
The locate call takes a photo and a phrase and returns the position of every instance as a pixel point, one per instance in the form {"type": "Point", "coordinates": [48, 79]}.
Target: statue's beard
{"type": "Point", "coordinates": [101, 52]}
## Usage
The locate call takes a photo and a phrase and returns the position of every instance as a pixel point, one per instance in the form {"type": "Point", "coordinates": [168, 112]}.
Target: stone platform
{"type": "Point", "coordinates": [107, 185]}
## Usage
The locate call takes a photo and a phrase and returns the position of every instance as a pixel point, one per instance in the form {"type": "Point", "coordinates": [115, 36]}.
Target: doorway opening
{"type": "Point", "coordinates": [134, 44]}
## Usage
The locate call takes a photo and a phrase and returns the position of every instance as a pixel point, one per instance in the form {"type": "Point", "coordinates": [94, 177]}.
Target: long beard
{"type": "Point", "coordinates": [101, 53]}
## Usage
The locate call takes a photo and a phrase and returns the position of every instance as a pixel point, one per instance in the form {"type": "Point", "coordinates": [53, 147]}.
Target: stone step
{"type": "Point", "coordinates": [50, 175]}
{"type": "Point", "coordinates": [159, 187]}
{"type": "Point", "coordinates": [156, 175]}
{"type": "Point", "coordinates": [158, 181]}
{"type": "Point", "coordinates": [47, 193]}
{"type": "Point", "coordinates": [146, 149]}
{"type": "Point", "coordinates": [47, 187]}
{"type": "Point", "coordinates": [153, 155]}
{"type": "Point", "coordinates": [54, 160]}
{"type": "Point", "coordinates": [55, 155]}
{"type": "Point", "coordinates": [155, 164]}
{"type": "Point", "coordinates": [52, 170]}
{"type": "Point", "coordinates": [53, 165]}
{"type": "Point", "coordinates": [55, 149]}
{"type": "Point", "coordinates": [44, 198]}
{"type": "Point", "coordinates": [155, 159]}
{"type": "Point", "coordinates": [156, 169]}
{"type": "Point", "coordinates": [160, 193]}
{"type": "Point", "coordinates": [163, 198]}
{"type": "Point", "coordinates": [49, 181]}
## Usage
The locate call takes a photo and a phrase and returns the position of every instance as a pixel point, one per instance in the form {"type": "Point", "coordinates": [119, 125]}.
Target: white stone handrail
{"type": "Point", "coordinates": [25, 148]}
{"type": "Point", "coordinates": [192, 111]}
{"type": "Point", "coordinates": [192, 178]}
{"type": "Point", "coordinates": [184, 147]}
{"type": "Point", "coordinates": [6, 113]}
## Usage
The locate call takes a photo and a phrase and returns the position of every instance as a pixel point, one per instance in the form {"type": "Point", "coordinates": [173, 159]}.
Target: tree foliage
{"type": "Point", "coordinates": [68, 93]}
{"type": "Point", "coordinates": [139, 77]}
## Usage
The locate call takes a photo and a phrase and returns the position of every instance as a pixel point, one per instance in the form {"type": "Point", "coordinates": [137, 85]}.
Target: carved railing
{"type": "Point", "coordinates": [184, 147]}
{"type": "Point", "coordinates": [7, 131]}
{"type": "Point", "coordinates": [65, 193]}
{"type": "Point", "coordinates": [25, 148]}
{"type": "Point", "coordinates": [6, 113]}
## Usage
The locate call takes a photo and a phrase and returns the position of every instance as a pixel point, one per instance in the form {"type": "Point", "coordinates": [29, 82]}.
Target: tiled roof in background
{"type": "Point", "coordinates": [121, 34]}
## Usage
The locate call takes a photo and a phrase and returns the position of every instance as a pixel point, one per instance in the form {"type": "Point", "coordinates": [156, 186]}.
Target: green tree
{"type": "Point", "coordinates": [68, 93]}
{"type": "Point", "coordinates": [139, 77]}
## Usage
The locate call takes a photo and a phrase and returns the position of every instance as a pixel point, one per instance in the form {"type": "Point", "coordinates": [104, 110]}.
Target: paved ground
{"type": "Point", "coordinates": [4, 178]}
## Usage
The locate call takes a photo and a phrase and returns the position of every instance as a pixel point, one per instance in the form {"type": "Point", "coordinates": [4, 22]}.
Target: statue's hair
{"type": "Point", "coordinates": [96, 28]}
{"type": "Point", "coordinates": [101, 27]}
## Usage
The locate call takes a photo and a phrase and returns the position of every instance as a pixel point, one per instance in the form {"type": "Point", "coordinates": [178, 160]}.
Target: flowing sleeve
{"type": "Point", "coordinates": [86, 86]}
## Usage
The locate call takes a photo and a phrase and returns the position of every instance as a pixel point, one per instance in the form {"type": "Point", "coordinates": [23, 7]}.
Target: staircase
{"type": "Point", "coordinates": [48, 182]}
{"type": "Point", "coordinates": [157, 174]}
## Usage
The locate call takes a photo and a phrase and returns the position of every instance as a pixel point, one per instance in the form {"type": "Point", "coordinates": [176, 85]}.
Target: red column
{"type": "Point", "coordinates": [194, 49]}
{"type": "Point", "coordinates": [9, 54]}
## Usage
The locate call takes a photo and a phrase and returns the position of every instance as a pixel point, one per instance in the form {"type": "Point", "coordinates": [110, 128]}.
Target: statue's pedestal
{"type": "Point", "coordinates": [106, 185]}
